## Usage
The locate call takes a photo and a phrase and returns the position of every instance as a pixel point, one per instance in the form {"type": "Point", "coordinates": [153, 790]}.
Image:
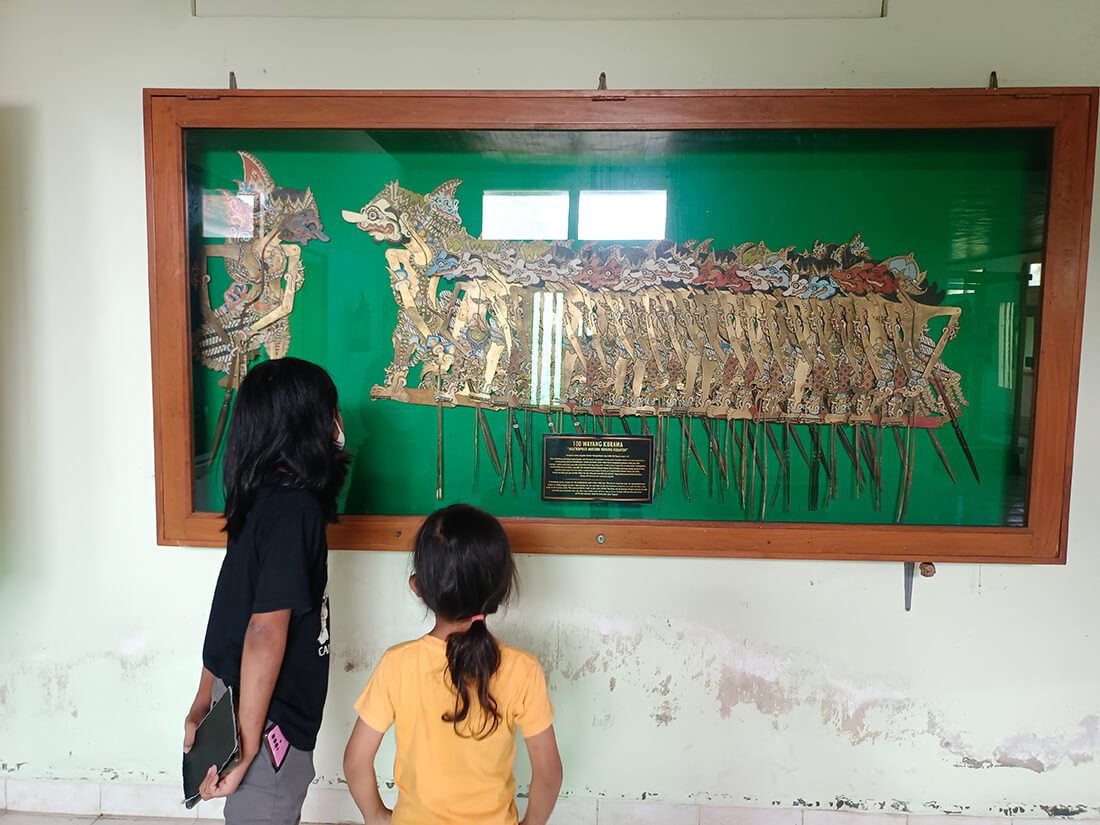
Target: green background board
{"type": "Point", "coordinates": [969, 204]}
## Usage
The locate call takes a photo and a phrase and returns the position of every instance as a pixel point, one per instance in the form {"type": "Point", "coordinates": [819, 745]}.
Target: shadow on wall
{"type": "Point", "coordinates": [15, 194]}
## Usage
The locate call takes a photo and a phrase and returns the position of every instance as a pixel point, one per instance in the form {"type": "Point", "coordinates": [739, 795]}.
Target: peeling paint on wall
{"type": "Point", "coordinates": [740, 688]}
{"type": "Point", "coordinates": [1063, 811]}
{"type": "Point", "coordinates": [900, 807]}
{"type": "Point", "coordinates": [735, 681]}
{"type": "Point", "coordinates": [1028, 751]}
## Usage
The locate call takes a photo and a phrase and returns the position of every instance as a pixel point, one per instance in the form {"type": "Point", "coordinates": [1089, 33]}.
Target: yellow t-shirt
{"type": "Point", "coordinates": [443, 777]}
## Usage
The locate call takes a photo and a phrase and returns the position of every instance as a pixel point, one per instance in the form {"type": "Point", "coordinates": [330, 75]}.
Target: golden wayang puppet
{"type": "Point", "coordinates": [266, 227]}
{"type": "Point", "coordinates": [746, 336]}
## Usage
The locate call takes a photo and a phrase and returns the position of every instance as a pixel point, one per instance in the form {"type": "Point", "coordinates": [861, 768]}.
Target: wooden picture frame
{"type": "Point", "coordinates": [1070, 113]}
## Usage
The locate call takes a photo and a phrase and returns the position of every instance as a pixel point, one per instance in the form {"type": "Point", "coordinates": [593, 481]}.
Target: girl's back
{"type": "Point", "coordinates": [443, 775]}
{"type": "Point", "coordinates": [457, 696]}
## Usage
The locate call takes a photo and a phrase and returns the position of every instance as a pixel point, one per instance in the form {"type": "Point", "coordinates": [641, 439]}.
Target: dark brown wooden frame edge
{"type": "Point", "coordinates": [1069, 111]}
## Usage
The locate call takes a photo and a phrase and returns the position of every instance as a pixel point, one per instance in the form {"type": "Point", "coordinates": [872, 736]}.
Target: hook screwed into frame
{"type": "Point", "coordinates": [601, 87]}
{"type": "Point", "coordinates": [232, 81]}
{"type": "Point", "coordinates": [993, 80]}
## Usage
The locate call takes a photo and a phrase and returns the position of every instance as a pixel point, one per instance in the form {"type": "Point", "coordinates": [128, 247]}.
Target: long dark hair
{"type": "Point", "coordinates": [281, 434]}
{"type": "Point", "coordinates": [464, 568]}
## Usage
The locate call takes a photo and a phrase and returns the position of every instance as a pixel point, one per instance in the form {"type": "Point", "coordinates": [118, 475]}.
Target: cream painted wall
{"type": "Point", "coordinates": [748, 681]}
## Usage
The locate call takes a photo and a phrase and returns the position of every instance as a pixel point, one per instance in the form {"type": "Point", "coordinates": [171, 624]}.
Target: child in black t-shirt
{"type": "Point", "coordinates": [268, 635]}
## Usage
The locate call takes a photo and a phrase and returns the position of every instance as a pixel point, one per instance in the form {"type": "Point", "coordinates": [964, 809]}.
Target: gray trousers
{"type": "Point", "coordinates": [267, 797]}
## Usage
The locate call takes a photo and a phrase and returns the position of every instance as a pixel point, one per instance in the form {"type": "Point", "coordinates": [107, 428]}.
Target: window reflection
{"type": "Point", "coordinates": [620, 216]}
{"type": "Point", "coordinates": [525, 215]}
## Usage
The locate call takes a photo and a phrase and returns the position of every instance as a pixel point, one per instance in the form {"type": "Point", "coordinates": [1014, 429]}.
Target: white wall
{"type": "Point", "coordinates": [751, 681]}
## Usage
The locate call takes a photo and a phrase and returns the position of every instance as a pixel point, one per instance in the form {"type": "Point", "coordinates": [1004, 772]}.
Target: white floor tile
{"type": "Point", "coordinates": [646, 813]}
{"type": "Point", "coordinates": [816, 817]}
{"type": "Point", "coordinates": [118, 799]}
{"type": "Point", "coordinates": [23, 818]}
{"type": "Point", "coordinates": [52, 796]}
{"type": "Point", "coordinates": [727, 815]}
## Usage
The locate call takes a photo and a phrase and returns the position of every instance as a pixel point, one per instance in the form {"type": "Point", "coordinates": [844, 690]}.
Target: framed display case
{"type": "Point", "coordinates": [831, 324]}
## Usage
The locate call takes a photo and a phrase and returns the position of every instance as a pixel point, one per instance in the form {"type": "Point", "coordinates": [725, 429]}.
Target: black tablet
{"type": "Point", "coordinates": [216, 743]}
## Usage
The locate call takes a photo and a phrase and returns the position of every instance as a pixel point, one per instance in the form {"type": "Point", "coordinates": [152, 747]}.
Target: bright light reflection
{"type": "Point", "coordinates": [525, 216]}
{"type": "Point", "coordinates": [622, 216]}
{"type": "Point", "coordinates": [547, 312]}
{"type": "Point", "coordinates": [1035, 275]}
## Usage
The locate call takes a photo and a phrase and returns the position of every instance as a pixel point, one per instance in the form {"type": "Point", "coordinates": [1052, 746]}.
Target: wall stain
{"type": "Point", "coordinates": [1063, 811]}
{"type": "Point", "coordinates": [1026, 751]}
{"type": "Point", "coordinates": [718, 674]}
{"type": "Point", "coordinates": [590, 665]}
{"type": "Point", "coordinates": [666, 712]}
{"type": "Point", "coordinates": [850, 717]}
{"type": "Point", "coordinates": [740, 688]}
{"type": "Point", "coordinates": [357, 660]}
{"type": "Point", "coordinates": [664, 686]}
{"type": "Point", "coordinates": [55, 687]}
{"type": "Point", "coordinates": [842, 802]}
{"type": "Point", "coordinates": [132, 664]}
{"type": "Point", "coordinates": [1031, 763]}
{"type": "Point", "coordinates": [898, 806]}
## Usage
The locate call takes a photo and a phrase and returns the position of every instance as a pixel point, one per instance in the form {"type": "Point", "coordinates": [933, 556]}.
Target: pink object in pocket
{"type": "Point", "coordinates": [277, 746]}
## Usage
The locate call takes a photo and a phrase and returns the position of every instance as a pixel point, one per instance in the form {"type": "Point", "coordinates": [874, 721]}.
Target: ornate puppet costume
{"type": "Point", "coordinates": [268, 226]}
{"type": "Point", "coordinates": [829, 336]}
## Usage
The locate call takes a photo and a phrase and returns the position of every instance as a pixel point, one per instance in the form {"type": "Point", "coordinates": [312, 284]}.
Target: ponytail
{"type": "Point", "coordinates": [472, 658]}
{"type": "Point", "coordinates": [464, 569]}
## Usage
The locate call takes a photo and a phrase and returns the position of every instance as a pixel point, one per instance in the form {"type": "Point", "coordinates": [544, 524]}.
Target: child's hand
{"type": "Point", "coordinates": [383, 817]}
{"type": "Point", "coordinates": [214, 786]}
{"type": "Point", "coordinates": [191, 724]}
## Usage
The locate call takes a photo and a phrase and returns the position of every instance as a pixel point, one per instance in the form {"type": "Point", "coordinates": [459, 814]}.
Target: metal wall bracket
{"type": "Point", "coordinates": [927, 571]}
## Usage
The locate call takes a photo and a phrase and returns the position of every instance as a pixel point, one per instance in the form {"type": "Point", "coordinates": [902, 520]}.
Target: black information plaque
{"type": "Point", "coordinates": [597, 468]}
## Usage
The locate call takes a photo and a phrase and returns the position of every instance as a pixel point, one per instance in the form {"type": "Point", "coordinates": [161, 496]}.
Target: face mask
{"type": "Point", "coordinates": [339, 440]}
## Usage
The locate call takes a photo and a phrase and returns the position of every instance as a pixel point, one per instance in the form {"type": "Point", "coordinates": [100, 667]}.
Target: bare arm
{"type": "Point", "coordinates": [546, 775]}
{"type": "Point", "coordinates": [359, 771]}
{"type": "Point", "coordinates": [199, 708]}
{"type": "Point", "coordinates": [264, 646]}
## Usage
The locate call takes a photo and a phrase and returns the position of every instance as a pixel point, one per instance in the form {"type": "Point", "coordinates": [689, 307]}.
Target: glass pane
{"type": "Point", "coordinates": [834, 326]}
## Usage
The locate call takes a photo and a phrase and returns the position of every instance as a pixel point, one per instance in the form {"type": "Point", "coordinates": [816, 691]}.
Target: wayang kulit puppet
{"type": "Point", "coordinates": [751, 342]}
{"type": "Point", "coordinates": [266, 227]}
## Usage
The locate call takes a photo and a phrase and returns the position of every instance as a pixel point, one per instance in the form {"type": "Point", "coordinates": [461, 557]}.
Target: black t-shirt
{"type": "Point", "coordinates": [278, 562]}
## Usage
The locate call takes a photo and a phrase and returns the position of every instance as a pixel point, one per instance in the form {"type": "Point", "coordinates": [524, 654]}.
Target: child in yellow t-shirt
{"type": "Point", "coordinates": [456, 695]}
